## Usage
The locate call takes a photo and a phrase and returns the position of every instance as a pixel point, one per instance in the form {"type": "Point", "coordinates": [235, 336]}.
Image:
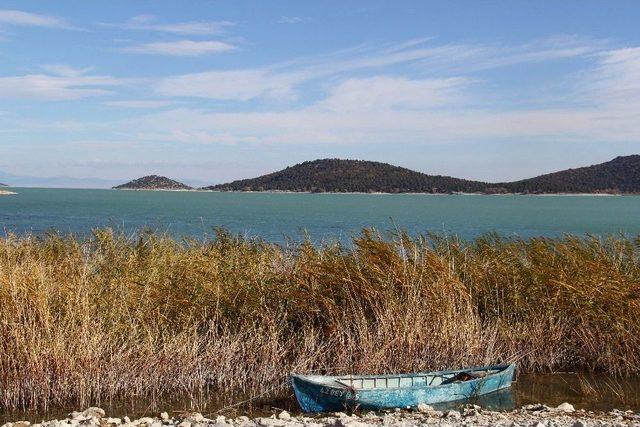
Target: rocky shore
{"type": "Point", "coordinates": [471, 415]}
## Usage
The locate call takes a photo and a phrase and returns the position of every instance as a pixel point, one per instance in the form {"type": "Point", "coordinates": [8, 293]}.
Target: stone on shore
{"type": "Point", "coordinates": [424, 408]}
{"type": "Point", "coordinates": [537, 415]}
{"type": "Point", "coordinates": [94, 412]}
{"type": "Point", "coordinates": [284, 415]}
{"type": "Point", "coordinates": [566, 407]}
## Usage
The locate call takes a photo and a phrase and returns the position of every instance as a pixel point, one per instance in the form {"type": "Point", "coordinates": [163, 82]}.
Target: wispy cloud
{"type": "Point", "coordinates": [180, 48]}
{"type": "Point", "coordinates": [615, 81]}
{"type": "Point", "coordinates": [279, 81]}
{"type": "Point", "coordinates": [240, 85]}
{"type": "Point", "coordinates": [27, 19]}
{"type": "Point", "coordinates": [138, 104]}
{"type": "Point", "coordinates": [191, 28]}
{"type": "Point", "coordinates": [381, 93]}
{"type": "Point", "coordinates": [382, 108]}
{"type": "Point", "coordinates": [61, 83]}
{"type": "Point", "coordinates": [289, 20]}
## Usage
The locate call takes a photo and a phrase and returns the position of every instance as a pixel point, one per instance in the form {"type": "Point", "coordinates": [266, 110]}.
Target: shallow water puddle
{"type": "Point", "coordinates": [585, 391]}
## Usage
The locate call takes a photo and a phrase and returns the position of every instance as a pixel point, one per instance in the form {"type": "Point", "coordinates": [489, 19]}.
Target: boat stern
{"type": "Point", "coordinates": [314, 396]}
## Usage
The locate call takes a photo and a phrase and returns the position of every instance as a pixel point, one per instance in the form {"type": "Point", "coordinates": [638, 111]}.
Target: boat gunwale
{"type": "Point", "coordinates": [340, 386]}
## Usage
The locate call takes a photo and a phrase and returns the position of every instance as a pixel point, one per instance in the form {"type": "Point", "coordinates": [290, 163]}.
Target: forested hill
{"type": "Point", "coordinates": [153, 182]}
{"type": "Point", "coordinates": [620, 175]}
{"type": "Point", "coordinates": [336, 175]}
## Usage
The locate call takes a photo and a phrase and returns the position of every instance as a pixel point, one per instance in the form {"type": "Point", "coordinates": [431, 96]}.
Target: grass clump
{"type": "Point", "coordinates": [118, 317]}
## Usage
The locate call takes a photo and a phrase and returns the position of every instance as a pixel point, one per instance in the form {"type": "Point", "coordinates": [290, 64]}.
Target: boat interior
{"type": "Point", "coordinates": [413, 380]}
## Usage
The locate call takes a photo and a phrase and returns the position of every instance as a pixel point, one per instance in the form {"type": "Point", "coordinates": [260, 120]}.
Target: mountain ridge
{"type": "Point", "coordinates": [618, 176]}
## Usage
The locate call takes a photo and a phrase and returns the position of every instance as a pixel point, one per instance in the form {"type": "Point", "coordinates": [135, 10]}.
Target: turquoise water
{"type": "Point", "coordinates": [275, 217]}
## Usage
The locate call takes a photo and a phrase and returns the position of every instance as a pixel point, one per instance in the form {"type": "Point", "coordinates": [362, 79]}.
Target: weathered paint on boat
{"type": "Point", "coordinates": [317, 393]}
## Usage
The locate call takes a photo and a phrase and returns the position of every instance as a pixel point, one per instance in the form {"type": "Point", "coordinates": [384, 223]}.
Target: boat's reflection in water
{"type": "Point", "coordinates": [501, 400]}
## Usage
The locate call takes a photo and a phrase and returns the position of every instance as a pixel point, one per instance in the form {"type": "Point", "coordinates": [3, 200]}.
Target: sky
{"type": "Point", "coordinates": [94, 93]}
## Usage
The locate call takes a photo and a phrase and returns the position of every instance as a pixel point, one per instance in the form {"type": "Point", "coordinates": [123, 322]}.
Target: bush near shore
{"type": "Point", "coordinates": [115, 317]}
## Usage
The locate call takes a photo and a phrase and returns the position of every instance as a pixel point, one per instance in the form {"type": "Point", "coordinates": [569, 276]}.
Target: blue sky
{"type": "Point", "coordinates": [210, 91]}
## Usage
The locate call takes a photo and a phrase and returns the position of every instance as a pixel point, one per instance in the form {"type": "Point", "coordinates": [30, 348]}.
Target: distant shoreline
{"type": "Point", "coordinates": [374, 193]}
{"type": "Point", "coordinates": [155, 189]}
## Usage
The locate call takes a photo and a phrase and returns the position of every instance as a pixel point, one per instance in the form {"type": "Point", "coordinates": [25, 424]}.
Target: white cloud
{"type": "Point", "coordinates": [616, 80]}
{"type": "Point", "coordinates": [388, 108]}
{"type": "Point", "coordinates": [65, 70]}
{"type": "Point", "coordinates": [389, 92]}
{"type": "Point", "coordinates": [141, 104]}
{"type": "Point", "coordinates": [63, 83]}
{"type": "Point", "coordinates": [192, 28]}
{"type": "Point", "coordinates": [380, 105]}
{"type": "Point", "coordinates": [181, 48]}
{"type": "Point", "coordinates": [289, 20]}
{"type": "Point", "coordinates": [239, 85]}
{"type": "Point", "coordinates": [26, 19]}
{"type": "Point", "coordinates": [279, 81]}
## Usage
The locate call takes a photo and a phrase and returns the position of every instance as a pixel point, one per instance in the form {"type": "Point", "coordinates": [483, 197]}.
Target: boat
{"type": "Point", "coordinates": [319, 393]}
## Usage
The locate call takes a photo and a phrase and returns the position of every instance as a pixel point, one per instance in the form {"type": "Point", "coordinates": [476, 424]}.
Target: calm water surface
{"type": "Point", "coordinates": [274, 216]}
{"type": "Point", "coordinates": [590, 392]}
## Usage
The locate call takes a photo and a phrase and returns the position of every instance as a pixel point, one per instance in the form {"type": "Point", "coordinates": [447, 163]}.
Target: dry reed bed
{"type": "Point", "coordinates": [116, 317]}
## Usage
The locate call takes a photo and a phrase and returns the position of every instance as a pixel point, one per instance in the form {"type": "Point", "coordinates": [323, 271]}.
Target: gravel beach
{"type": "Point", "coordinates": [471, 415]}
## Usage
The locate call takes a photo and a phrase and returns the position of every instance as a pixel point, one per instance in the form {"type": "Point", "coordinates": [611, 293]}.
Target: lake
{"type": "Point", "coordinates": [278, 216]}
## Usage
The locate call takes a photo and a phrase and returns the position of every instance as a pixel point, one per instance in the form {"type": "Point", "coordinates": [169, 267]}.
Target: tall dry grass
{"type": "Point", "coordinates": [85, 321]}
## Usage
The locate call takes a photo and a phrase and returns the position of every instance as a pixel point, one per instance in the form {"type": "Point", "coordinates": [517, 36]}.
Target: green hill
{"type": "Point", "coordinates": [336, 175]}
{"type": "Point", "coordinates": [153, 182]}
{"type": "Point", "coordinates": [620, 175]}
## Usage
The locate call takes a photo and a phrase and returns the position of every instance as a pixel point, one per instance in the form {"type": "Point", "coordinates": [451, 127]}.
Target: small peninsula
{"type": "Point", "coordinates": [5, 192]}
{"type": "Point", "coordinates": [153, 182]}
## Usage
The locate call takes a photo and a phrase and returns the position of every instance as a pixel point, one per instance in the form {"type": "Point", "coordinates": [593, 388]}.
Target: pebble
{"type": "Point", "coordinates": [94, 412]}
{"type": "Point", "coordinates": [566, 407]}
{"type": "Point", "coordinates": [424, 408]}
{"type": "Point", "coordinates": [453, 414]}
{"type": "Point", "coordinates": [537, 415]}
{"type": "Point", "coordinates": [284, 415]}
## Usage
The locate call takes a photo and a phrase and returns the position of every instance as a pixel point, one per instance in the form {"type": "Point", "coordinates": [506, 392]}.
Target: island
{"type": "Point", "coordinates": [618, 176]}
{"type": "Point", "coordinates": [154, 182]}
{"type": "Point", "coordinates": [351, 176]}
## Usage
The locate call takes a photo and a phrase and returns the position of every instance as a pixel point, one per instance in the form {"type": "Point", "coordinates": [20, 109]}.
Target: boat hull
{"type": "Point", "coordinates": [317, 394]}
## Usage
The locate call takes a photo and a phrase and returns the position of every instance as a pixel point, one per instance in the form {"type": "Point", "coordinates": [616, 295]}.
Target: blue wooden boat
{"type": "Point", "coordinates": [316, 393]}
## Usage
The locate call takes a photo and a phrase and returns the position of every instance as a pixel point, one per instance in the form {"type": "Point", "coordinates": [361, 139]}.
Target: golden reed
{"type": "Point", "coordinates": [116, 317]}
